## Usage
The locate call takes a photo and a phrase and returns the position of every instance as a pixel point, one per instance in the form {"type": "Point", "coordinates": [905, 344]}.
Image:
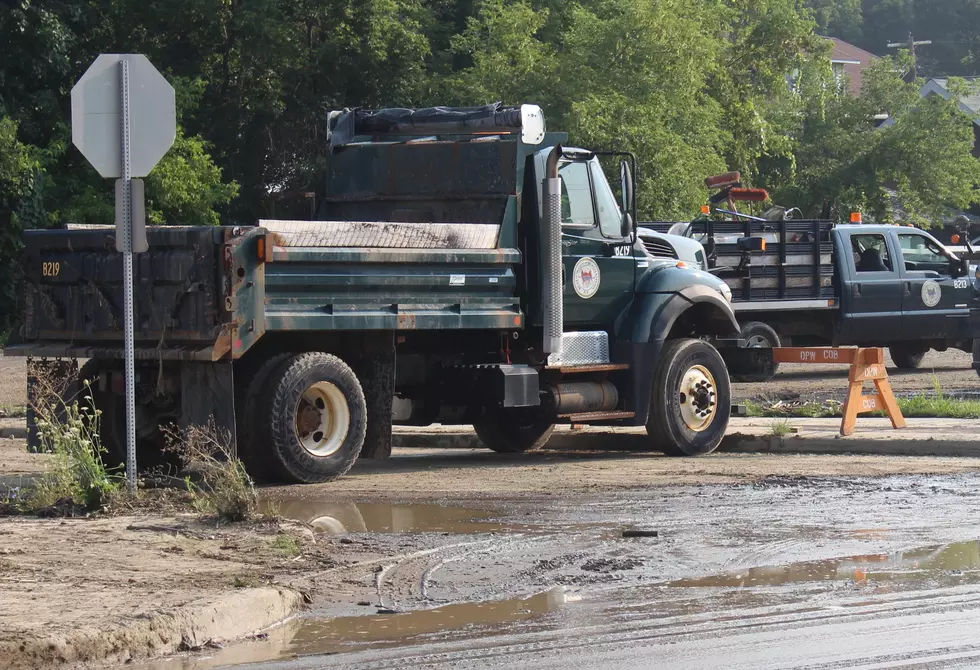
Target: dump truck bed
{"type": "Point", "coordinates": [204, 293]}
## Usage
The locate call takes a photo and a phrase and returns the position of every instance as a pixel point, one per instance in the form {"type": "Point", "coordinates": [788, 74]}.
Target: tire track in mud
{"type": "Point", "coordinates": [853, 632]}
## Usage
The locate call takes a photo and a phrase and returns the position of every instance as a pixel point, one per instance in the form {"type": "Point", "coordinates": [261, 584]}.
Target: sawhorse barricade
{"type": "Point", "coordinates": [866, 365]}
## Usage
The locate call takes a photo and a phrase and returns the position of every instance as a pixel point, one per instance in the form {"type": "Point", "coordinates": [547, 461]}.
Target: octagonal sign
{"type": "Point", "coordinates": [96, 115]}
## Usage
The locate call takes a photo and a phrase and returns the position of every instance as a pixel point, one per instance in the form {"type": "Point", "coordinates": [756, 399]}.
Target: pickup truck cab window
{"type": "Point", "coordinates": [871, 253]}
{"type": "Point", "coordinates": [610, 216]}
{"type": "Point", "coordinates": [922, 254]}
{"type": "Point", "coordinates": [577, 210]}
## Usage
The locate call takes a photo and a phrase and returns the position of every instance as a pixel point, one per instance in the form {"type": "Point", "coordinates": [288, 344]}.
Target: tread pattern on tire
{"type": "Point", "coordinates": [285, 396]}
{"type": "Point", "coordinates": [660, 425]}
{"type": "Point", "coordinates": [254, 446]}
{"type": "Point", "coordinates": [497, 440]}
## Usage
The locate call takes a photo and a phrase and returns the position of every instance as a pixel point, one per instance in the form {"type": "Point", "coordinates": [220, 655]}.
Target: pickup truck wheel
{"type": "Point", "coordinates": [976, 356]}
{"type": "Point", "coordinates": [907, 356]}
{"type": "Point", "coordinates": [692, 399]}
{"type": "Point", "coordinates": [513, 431]}
{"type": "Point", "coordinates": [758, 335]}
{"type": "Point", "coordinates": [317, 418]}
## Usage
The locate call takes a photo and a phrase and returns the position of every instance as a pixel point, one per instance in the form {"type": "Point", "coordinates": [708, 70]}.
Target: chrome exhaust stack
{"type": "Point", "coordinates": [551, 256]}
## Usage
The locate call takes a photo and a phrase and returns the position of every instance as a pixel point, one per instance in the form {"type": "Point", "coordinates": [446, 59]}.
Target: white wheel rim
{"type": "Point", "coordinates": [322, 419]}
{"type": "Point", "coordinates": [698, 398]}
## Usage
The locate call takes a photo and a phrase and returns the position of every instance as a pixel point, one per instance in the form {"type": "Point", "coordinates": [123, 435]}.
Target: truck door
{"type": "Point", "coordinates": [934, 304]}
{"type": "Point", "coordinates": [871, 295]}
{"type": "Point", "coordinates": [598, 260]}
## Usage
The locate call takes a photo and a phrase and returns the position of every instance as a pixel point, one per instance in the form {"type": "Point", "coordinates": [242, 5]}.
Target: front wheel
{"type": "Point", "coordinates": [691, 402]}
{"type": "Point", "coordinates": [514, 431]}
{"type": "Point", "coordinates": [316, 418]}
{"type": "Point", "coordinates": [907, 356]}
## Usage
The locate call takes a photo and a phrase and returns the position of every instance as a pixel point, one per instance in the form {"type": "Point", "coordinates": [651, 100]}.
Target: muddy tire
{"type": "Point", "coordinates": [907, 356]}
{"type": "Point", "coordinates": [316, 418]}
{"type": "Point", "coordinates": [254, 443]}
{"type": "Point", "coordinates": [692, 399]}
{"type": "Point", "coordinates": [758, 335]}
{"type": "Point", "coordinates": [513, 431]}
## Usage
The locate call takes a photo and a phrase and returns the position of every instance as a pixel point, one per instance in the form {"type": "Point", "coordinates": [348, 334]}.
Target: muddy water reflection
{"type": "Point", "coordinates": [330, 517]}
{"type": "Point", "coordinates": [951, 563]}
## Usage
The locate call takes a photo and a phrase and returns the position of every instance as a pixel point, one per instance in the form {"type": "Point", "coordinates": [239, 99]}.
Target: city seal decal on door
{"type": "Point", "coordinates": [585, 278]}
{"type": "Point", "coordinates": [932, 293]}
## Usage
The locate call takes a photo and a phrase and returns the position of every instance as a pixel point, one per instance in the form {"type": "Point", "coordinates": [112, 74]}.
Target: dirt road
{"type": "Point", "coordinates": [782, 572]}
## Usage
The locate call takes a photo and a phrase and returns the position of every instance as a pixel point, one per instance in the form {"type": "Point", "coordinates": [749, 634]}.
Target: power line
{"type": "Point", "coordinates": [911, 44]}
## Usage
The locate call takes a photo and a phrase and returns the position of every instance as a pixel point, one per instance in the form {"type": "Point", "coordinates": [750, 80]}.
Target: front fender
{"type": "Point", "coordinates": [654, 315]}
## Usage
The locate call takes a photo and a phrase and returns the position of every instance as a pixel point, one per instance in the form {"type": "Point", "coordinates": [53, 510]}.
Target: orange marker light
{"type": "Point", "coordinates": [763, 245]}
{"type": "Point", "coordinates": [260, 248]}
{"type": "Point", "coordinates": [681, 264]}
{"type": "Point", "coordinates": [856, 217]}
{"type": "Point", "coordinates": [955, 239]}
{"type": "Point", "coordinates": [705, 209]}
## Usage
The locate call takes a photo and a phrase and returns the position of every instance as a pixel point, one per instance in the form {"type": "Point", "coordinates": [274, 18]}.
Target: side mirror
{"type": "Point", "coordinates": [627, 228]}
{"type": "Point", "coordinates": [626, 184]}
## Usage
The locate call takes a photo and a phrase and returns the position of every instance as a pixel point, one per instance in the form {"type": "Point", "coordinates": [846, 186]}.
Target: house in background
{"type": "Point", "coordinates": [849, 63]}
{"type": "Point", "coordinates": [969, 104]}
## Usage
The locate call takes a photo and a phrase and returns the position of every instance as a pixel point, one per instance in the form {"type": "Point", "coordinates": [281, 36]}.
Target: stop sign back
{"type": "Point", "coordinates": [96, 118]}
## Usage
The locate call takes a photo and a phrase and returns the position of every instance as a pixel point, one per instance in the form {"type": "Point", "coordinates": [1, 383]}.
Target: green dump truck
{"type": "Point", "coordinates": [466, 268]}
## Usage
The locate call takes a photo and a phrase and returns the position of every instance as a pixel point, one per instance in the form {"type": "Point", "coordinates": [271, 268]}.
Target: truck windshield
{"type": "Point", "coordinates": [576, 196]}
{"type": "Point", "coordinates": [610, 218]}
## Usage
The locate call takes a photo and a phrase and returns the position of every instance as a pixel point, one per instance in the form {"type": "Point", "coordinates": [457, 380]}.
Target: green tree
{"type": "Point", "coordinates": [17, 170]}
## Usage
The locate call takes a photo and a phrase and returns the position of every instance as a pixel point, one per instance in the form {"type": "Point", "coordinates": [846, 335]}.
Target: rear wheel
{"type": "Point", "coordinates": [152, 452]}
{"type": "Point", "coordinates": [691, 402]}
{"type": "Point", "coordinates": [976, 356]}
{"type": "Point", "coordinates": [514, 431]}
{"type": "Point", "coordinates": [758, 335]}
{"type": "Point", "coordinates": [908, 356]}
{"type": "Point", "coordinates": [316, 418]}
{"type": "Point", "coordinates": [253, 440]}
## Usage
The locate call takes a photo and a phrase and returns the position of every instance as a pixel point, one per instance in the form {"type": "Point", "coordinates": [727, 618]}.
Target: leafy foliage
{"type": "Point", "coordinates": [692, 87]}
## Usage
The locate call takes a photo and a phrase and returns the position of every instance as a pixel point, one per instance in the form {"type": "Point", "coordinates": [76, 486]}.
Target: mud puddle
{"type": "Point", "coordinates": [939, 566]}
{"type": "Point", "coordinates": [334, 517]}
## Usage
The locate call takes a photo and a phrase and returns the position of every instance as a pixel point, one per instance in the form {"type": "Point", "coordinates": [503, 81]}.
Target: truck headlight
{"type": "Point", "coordinates": [726, 291]}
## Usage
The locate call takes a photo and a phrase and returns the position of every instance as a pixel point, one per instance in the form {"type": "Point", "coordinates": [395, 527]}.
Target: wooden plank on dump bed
{"type": "Point", "coordinates": [866, 365]}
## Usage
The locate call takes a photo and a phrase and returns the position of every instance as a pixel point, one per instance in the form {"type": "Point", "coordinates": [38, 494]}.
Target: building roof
{"type": "Point", "coordinates": [970, 104]}
{"type": "Point", "coordinates": [854, 61]}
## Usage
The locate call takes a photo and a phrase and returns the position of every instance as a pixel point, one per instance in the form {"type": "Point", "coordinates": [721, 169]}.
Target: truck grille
{"type": "Point", "coordinates": [659, 248]}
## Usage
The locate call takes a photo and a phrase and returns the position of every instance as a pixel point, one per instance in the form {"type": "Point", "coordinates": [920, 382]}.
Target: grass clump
{"type": "Point", "coordinates": [13, 411]}
{"type": "Point", "coordinates": [286, 545]}
{"type": "Point", "coordinates": [780, 428]}
{"type": "Point", "coordinates": [219, 484]}
{"type": "Point", "coordinates": [70, 432]}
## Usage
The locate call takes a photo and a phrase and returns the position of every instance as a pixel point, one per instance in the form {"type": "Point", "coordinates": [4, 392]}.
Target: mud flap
{"type": "Point", "coordinates": [46, 376]}
{"type": "Point", "coordinates": [742, 362]}
{"type": "Point", "coordinates": [207, 396]}
{"type": "Point", "coordinates": [377, 376]}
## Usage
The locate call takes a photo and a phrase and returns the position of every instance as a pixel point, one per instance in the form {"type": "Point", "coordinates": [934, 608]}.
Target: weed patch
{"type": "Point", "coordinates": [219, 484]}
{"type": "Point", "coordinates": [286, 545]}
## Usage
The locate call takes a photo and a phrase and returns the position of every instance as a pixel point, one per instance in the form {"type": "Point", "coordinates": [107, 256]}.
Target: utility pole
{"type": "Point", "coordinates": [911, 44]}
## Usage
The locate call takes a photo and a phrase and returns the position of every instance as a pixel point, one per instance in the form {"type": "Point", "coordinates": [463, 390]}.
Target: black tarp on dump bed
{"type": "Point", "coordinates": [344, 125]}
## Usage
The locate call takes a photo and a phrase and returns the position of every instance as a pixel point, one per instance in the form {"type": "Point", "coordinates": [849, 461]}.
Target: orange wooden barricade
{"type": "Point", "coordinates": [866, 365]}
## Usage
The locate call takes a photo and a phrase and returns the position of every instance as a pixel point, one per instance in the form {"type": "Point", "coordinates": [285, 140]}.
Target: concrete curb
{"type": "Point", "coordinates": [230, 617]}
{"type": "Point", "coordinates": [823, 442]}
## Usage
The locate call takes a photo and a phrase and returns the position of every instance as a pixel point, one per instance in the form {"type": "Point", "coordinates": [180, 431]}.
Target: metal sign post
{"type": "Point", "coordinates": [123, 121]}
